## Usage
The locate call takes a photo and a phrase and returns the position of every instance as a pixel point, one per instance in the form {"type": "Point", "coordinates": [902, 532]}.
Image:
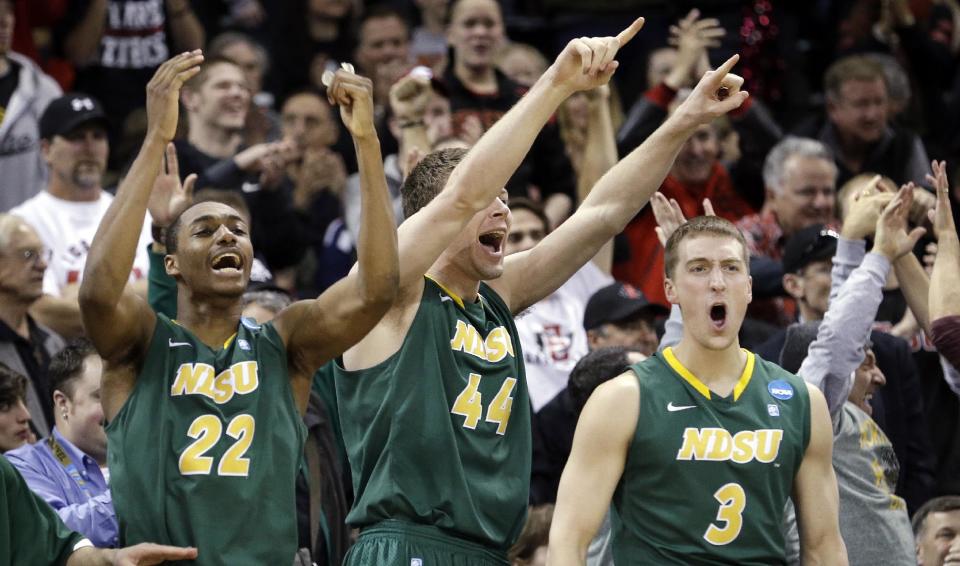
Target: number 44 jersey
{"type": "Point", "coordinates": [439, 433]}
{"type": "Point", "coordinates": [706, 478]}
{"type": "Point", "coordinates": [206, 449]}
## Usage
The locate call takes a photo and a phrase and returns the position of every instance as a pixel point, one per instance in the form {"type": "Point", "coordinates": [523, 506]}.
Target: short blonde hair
{"type": "Point", "coordinates": [700, 226]}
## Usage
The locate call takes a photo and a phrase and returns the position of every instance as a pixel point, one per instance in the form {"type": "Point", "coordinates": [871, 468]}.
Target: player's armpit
{"type": "Point", "coordinates": [815, 492]}
{"type": "Point", "coordinates": [600, 445]}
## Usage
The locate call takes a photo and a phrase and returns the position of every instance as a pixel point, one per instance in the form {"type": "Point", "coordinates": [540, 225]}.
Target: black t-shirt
{"type": "Point", "coordinates": [35, 359]}
{"type": "Point", "coordinates": [8, 84]}
{"type": "Point", "coordinates": [135, 41]}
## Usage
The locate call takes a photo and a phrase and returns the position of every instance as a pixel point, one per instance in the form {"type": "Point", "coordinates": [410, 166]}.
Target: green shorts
{"type": "Point", "coordinates": [398, 543]}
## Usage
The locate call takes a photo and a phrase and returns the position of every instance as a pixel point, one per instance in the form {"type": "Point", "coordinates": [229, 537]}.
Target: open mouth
{"type": "Point", "coordinates": [228, 263]}
{"type": "Point", "coordinates": [493, 241]}
{"type": "Point", "coordinates": [718, 315]}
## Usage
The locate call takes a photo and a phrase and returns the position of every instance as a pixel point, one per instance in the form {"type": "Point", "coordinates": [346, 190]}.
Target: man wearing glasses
{"type": "Point", "coordinates": [25, 345]}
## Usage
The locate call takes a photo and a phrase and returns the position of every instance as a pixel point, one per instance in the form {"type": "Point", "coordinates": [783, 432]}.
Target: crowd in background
{"type": "Point", "coordinates": [848, 98]}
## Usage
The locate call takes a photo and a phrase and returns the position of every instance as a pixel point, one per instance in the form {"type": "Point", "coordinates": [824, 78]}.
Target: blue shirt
{"type": "Point", "coordinates": [80, 496]}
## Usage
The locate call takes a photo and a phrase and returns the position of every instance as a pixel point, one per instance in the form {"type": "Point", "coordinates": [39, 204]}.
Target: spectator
{"type": "Point", "coordinates": [522, 63]}
{"type": "Point", "coordinates": [216, 101]}
{"type": "Point", "coordinates": [800, 180]}
{"type": "Point", "coordinates": [478, 89]}
{"type": "Point", "coordinates": [857, 129]}
{"type": "Point", "coordinates": [24, 93]}
{"type": "Point", "coordinates": [67, 469]}
{"type": "Point", "coordinates": [383, 50]}
{"type": "Point", "coordinates": [14, 416]}
{"type": "Point", "coordinates": [66, 215]}
{"type": "Point", "coordinates": [262, 123]}
{"type": "Point", "coordinates": [899, 405]}
{"type": "Point", "coordinates": [551, 332]}
{"type": "Point", "coordinates": [619, 315]}
{"type": "Point", "coordinates": [26, 346]}
{"type": "Point", "coordinates": [429, 44]}
{"type": "Point", "coordinates": [116, 46]}
{"type": "Point", "coordinates": [936, 527]}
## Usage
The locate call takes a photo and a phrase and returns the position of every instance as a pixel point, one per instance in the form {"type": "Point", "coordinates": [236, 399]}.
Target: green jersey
{"type": "Point", "coordinates": [706, 478]}
{"type": "Point", "coordinates": [31, 532]}
{"type": "Point", "coordinates": [439, 433]}
{"type": "Point", "coordinates": [206, 449]}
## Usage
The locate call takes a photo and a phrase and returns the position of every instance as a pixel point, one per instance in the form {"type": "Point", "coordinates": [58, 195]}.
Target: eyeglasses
{"type": "Point", "coordinates": [32, 255]}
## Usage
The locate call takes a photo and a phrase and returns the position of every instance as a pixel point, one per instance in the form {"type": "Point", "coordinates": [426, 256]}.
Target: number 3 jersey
{"type": "Point", "coordinates": [706, 478]}
{"type": "Point", "coordinates": [206, 449]}
{"type": "Point", "coordinates": [439, 433]}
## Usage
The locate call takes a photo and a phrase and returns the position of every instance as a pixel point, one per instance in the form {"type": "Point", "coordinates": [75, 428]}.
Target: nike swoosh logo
{"type": "Point", "coordinates": [178, 344]}
{"type": "Point", "coordinates": [445, 298]}
{"type": "Point", "coordinates": [674, 408]}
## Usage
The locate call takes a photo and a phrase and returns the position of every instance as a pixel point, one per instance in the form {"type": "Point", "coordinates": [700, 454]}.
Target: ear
{"type": "Point", "coordinates": [670, 291]}
{"type": "Point", "coordinates": [793, 285]}
{"type": "Point", "coordinates": [593, 339]}
{"type": "Point", "coordinates": [45, 150]}
{"type": "Point", "coordinates": [172, 266]}
{"type": "Point", "coordinates": [770, 195]}
{"type": "Point", "coordinates": [60, 399]}
{"type": "Point", "coordinates": [749, 289]}
{"type": "Point", "coordinates": [189, 99]}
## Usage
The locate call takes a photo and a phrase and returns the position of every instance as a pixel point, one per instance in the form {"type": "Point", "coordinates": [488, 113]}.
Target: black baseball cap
{"type": "Point", "coordinates": [618, 302]}
{"type": "Point", "coordinates": [69, 112]}
{"type": "Point", "coordinates": [814, 243]}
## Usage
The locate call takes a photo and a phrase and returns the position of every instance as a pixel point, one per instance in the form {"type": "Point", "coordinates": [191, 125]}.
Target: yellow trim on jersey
{"type": "Point", "coordinates": [226, 343]}
{"type": "Point", "coordinates": [456, 298]}
{"type": "Point", "coordinates": [695, 382]}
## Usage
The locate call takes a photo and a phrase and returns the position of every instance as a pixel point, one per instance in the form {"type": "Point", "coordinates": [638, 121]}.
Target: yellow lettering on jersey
{"type": "Point", "coordinates": [198, 379]}
{"type": "Point", "coordinates": [496, 347]}
{"type": "Point", "coordinates": [717, 445]}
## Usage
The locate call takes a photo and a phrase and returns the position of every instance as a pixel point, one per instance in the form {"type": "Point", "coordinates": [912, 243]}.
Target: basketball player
{"type": "Point", "coordinates": [699, 446]}
{"type": "Point", "coordinates": [205, 424]}
{"type": "Point", "coordinates": [434, 405]}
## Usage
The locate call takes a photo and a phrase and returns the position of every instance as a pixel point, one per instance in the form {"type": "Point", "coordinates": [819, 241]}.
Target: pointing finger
{"type": "Point", "coordinates": [626, 35]}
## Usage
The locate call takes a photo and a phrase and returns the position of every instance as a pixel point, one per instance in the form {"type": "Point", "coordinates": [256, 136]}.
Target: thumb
{"type": "Point", "coordinates": [914, 236]}
{"type": "Point", "coordinates": [188, 185]}
{"type": "Point", "coordinates": [661, 236]}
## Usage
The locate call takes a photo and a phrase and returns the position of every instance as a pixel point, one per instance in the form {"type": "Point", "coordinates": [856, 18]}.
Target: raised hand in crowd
{"type": "Point", "coordinates": [861, 220]}
{"type": "Point", "coordinates": [320, 169]}
{"type": "Point", "coordinates": [692, 37]}
{"type": "Point", "coordinates": [894, 238]}
{"type": "Point", "coordinates": [169, 197]}
{"type": "Point", "coordinates": [669, 215]}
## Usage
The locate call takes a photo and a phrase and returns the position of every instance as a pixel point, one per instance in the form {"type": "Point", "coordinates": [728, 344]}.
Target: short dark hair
{"type": "Point", "coordinates": [67, 365]}
{"type": "Point", "coordinates": [13, 387]}
{"type": "Point", "coordinates": [428, 178]}
{"type": "Point", "coordinates": [536, 533]}
{"type": "Point", "coordinates": [700, 226]}
{"type": "Point", "coordinates": [595, 369]}
{"type": "Point", "coordinates": [941, 504]}
{"type": "Point", "coordinates": [229, 198]}
{"type": "Point", "coordinates": [534, 208]}
{"type": "Point", "coordinates": [381, 12]}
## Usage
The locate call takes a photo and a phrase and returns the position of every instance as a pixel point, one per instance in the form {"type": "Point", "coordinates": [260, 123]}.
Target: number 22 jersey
{"type": "Point", "coordinates": [206, 449]}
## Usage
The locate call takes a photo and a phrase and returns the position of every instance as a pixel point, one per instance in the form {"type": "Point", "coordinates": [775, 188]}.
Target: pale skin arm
{"type": "Point", "coordinates": [944, 291]}
{"type": "Point", "coordinates": [593, 470]}
{"type": "Point", "coordinates": [316, 331]}
{"type": "Point", "coordinates": [145, 554]}
{"type": "Point", "coordinates": [815, 492]}
{"type": "Point", "coordinates": [599, 156]}
{"type": "Point", "coordinates": [617, 197]}
{"type": "Point", "coordinates": [118, 321]}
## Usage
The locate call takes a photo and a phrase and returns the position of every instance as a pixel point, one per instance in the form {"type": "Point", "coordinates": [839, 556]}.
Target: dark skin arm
{"type": "Point", "coordinates": [318, 330]}
{"type": "Point", "coordinates": [119, 322]}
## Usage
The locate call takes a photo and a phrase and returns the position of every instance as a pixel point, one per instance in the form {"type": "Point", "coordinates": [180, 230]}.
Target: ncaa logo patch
{"type": "Point", "coordinates": [773, 410]}
{"type": "Point", "coordinates": [416, 562]}
{"type": "Point", "coordinates": [780, 389]}
{"type": "Point", "coordinates": [244, 345]}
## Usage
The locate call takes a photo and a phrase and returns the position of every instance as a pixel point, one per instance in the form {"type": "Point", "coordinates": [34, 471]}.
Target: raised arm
{"type": "Point", "coordinates": [584, 64]}
{"type": "Point", "coordinates": [593, 470]}
{"type": "Point", "coordinates": [618, 196]}
{"type": "Point", "coordinates": [118, 321]}
{"type": "Point", "coordinates": [599, 155]}
{"type": "Point", "coordinates": [815, 493]}
{"type": "Point", "coordinates": [944, 291]}
{"type": "Point", "coordinates": [315, 331]}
